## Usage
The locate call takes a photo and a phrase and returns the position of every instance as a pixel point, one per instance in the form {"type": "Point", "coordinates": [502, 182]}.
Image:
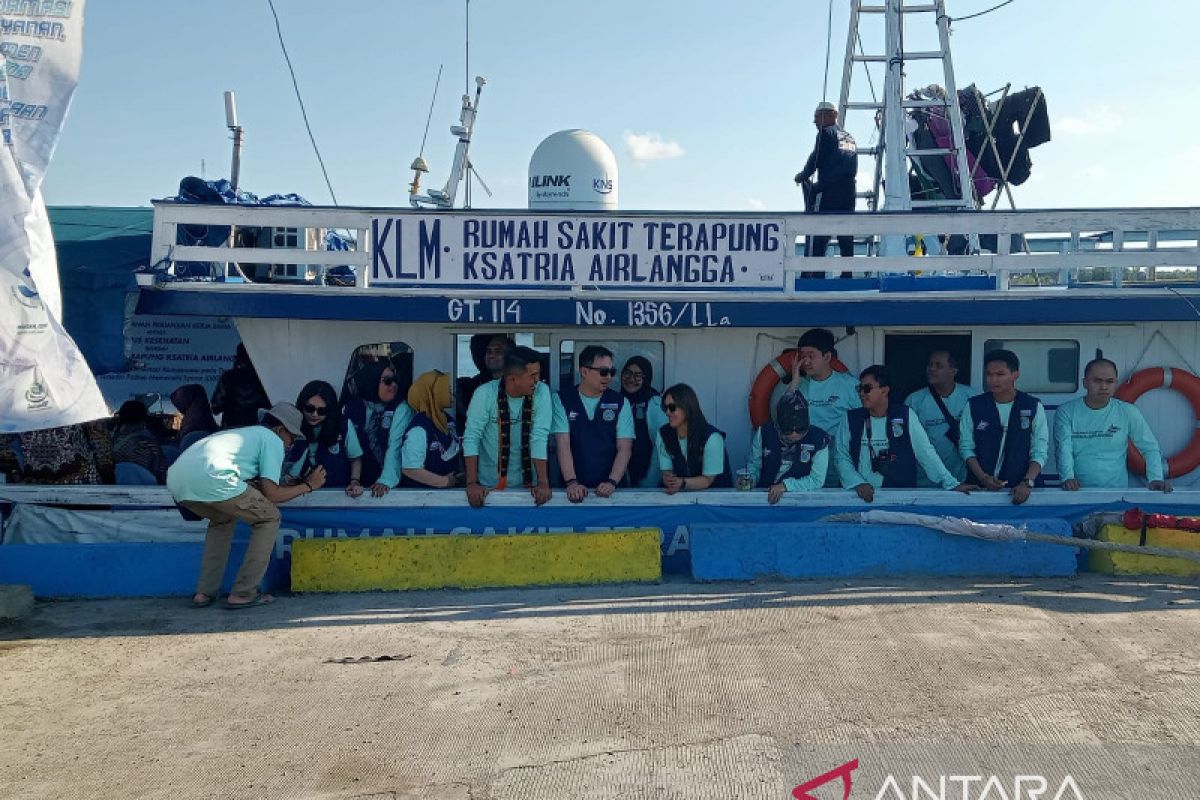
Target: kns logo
{"type": "Point", "coordinates": [544, 181]}
{"type": "Point", "coordinates": [602, 185]}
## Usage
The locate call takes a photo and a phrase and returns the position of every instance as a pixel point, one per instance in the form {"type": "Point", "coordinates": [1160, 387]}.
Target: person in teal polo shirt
{"type": "Point", "coordinates": [1092, 435]}
{"type": "Point", "coordinates": [509, 418]}
{"type": "Point", "coordinates": [939, 407]}
{"type": "Point", "coordinates": [234, 475]}
{"type": "Point", "coordinates": [830, 394]}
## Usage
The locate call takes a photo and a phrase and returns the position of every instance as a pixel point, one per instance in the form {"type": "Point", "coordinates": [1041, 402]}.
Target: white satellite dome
{"type": "Point", "coordinates": [573, 171]}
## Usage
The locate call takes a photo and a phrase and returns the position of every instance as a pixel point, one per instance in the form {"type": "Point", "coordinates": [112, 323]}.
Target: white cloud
{"type": "Point", "coordinates": [650, 146]}
{"type": "Point", "coordinates": [756, 204]}
{"type": "Point", "coordinates": [1100, 119]}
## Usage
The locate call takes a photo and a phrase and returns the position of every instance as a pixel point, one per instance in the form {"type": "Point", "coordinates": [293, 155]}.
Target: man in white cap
{"type": "Point", "coordinates": [834, 160]}
{"type": "Point", "coordinates": [234, 475]}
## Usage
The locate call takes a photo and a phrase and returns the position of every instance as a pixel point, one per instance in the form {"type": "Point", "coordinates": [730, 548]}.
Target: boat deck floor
{"type": "Point", "coordinates": [667, 691]}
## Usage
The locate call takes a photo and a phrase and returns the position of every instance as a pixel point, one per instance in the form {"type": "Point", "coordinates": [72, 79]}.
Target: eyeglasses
{"type": "Point", "coordinates": [388, 380]}
{"type": "Point", "coordinates": [320, 411]}
{"type": "Point", "coordinates": [670, 408]}
{"type": "Point", "coordinates": [605, 372]}
{"type": "Point", "coordinates": [633, 375]}
{"type": "Point", "coordinates": [866, 388]}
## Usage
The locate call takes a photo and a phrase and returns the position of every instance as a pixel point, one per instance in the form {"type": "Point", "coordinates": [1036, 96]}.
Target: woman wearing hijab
{"type": "Point", "coordinates": [691, 452]}
{"type": "Point", "coordinates": [789, 454]}
{"type": "Point", "coordinates": [330, 441]}
{"type": "Point", "coordinates": [380, 417]}
{"type": "Point", "coordinates": [431, 456]}
{"type": "Point", "coordinates": [239, 393]}
{"type": "Point", "coordinates": [636, 378]}
{"type": "Point", "coordinates": [192, 401]}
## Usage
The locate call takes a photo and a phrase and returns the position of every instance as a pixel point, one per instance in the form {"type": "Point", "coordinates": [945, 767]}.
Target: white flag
{"type": "Point", "coordinates": [44, 380]}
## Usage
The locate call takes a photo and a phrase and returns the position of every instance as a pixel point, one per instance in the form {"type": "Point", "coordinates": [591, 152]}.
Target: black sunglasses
{"type": "Point", "coordinates": [633, 375]}
{"type": "Point", "coordinates": [388, 380]}
{"type": "Point", "coordinates": [605, 372]}
{"type": "Point", "coordinates": [320, 411]}
{"type": "Point", "coordinates": [866, 388]}
{"type": "Point", "coordinates": [670, 408]}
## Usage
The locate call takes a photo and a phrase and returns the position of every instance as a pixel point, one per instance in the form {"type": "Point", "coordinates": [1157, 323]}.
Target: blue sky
{"type": "Point", "coordinates": [723, 92]}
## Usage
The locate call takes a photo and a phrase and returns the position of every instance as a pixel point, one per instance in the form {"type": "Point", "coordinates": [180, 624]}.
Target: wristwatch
{"type": "Point", "coordinates": [1028, 482]}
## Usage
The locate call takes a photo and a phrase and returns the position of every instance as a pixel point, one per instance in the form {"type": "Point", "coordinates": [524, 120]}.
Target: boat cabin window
{"type": "Point", "coordinates": [623, 350]}
{"type": "Point", "coordinates": [1049, 366]}
{"type": "Point", "coordinates": [471, 350]}
{"type": "Point", "coordinates": [398, 354]}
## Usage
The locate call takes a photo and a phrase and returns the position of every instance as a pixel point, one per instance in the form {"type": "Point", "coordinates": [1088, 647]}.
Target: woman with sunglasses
{"type": "Point", "coordinates": [330, 441]}
{"type": "Point", "coordinates": [431, 454]}
{"type": "Point", "coordinates": [691, 452]}
{"type": "Point", "coordinates": [381, 416]}
{"type": "Point", "coordinates": [648, 416]}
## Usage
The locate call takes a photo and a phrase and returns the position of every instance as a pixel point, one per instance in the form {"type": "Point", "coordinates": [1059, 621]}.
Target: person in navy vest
{"type": "Point", "coordinates": [789, 454]}
{"type": "Point", "coordinates": [593, 426]}
{"type": "Point", "coordinates": [1003, 436]}
{"type": "Point", "coordinates": [381, 416]}
{"type": "Point", "coordinates": [691, 452]}
{"type": "Point", "coordinates": [881, 444]}
{"type": "Point", "coordinates": [330, 441]}
{"type": "Point", "coordinates": [637, 384]}
{"type": "Point", "coordinates": [431, 457]}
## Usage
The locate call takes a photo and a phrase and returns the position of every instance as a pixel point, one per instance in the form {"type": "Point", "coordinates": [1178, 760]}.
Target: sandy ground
{"type": "Point", "coordinates": [672, 691]}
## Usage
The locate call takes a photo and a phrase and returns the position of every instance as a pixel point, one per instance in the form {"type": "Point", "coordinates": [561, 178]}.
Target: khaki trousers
{"type": "Point", "coordinates": [263, 518]}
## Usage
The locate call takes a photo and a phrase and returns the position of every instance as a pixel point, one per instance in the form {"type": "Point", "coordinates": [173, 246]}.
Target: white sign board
{"type": "Point", "coordinates": [484, 251]}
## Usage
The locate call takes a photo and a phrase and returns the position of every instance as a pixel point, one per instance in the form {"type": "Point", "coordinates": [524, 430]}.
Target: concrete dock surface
{"type": "Point", "coordinates": [975, 690]}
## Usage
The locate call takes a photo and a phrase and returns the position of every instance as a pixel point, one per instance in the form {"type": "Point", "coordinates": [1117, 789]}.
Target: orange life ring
{"type": "Point", "coordinates": [1187, 385]}
{"type": "Point", "coordinates": [769, 377]}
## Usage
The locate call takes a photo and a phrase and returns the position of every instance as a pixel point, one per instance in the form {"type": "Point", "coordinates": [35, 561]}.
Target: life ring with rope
{"type": "Point", "coordinates": [1187, 385]}
{"type": "Point", "coordinates": [769, 377]}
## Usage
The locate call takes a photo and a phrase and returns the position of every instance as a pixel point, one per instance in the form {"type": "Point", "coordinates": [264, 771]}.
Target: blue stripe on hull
{"type": "Point", "coordinates": [984, 309]}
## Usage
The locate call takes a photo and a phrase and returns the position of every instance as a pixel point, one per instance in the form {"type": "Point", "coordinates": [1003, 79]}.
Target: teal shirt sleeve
{"type": "Point", "coordinates": [270, 457]}
{"type": "Point", "coordinates": [391, 462]}
{"type": "Point", "coordinates": [1039, 446]}
{"type": "Point", "coordinates": [477, 420]}
{"type": "Point", "coordinates": [413, 451]}
{"type": "Point", "coordinates": [926, 455]}
{"type": "Point", "coordinates": [1064, 450]}
{"type": "Point", "coordinates": [847, 472]}
{"type": "Point", "coordinates": [353, 445]}
{"type": "Point", "coordinates": [625, 422]}
{"type": "Point", "coordinates": [815, 479]}
{"type": "Point", "coordinates": [543, 412]}
{"type": "Point", "coordinates": [714, 456]}
{"type": "Point", "coordinates": [755, 462]}
{"type": "Point", "coordinates": [1141, 435]}
{"type": "Point", "coordinates": [558, 420]}
{"type": "Point", "coordinates": [966, 435]}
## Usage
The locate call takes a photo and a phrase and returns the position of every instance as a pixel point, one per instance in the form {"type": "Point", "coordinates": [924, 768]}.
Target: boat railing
{"type": "Point", "coordinates": [1006, 250]}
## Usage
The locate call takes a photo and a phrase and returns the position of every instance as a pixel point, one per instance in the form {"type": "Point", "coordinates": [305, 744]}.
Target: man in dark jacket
{"type": "Point", "coordinates": [834, 160]}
